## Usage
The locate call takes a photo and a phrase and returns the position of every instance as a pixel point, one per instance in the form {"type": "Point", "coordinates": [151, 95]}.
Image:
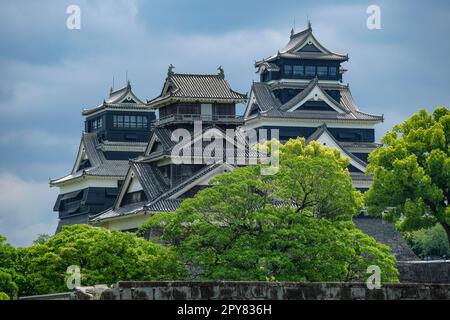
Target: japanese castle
{"type": "Point", "coordinates": [125, 169]}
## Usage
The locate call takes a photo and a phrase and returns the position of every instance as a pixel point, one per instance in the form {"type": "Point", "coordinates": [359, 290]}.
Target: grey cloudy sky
{"type": "Point", "coordinates": [49, 73]}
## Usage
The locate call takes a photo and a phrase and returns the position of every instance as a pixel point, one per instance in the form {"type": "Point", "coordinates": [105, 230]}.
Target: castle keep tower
{"type": "Point", "coordinates": [301, 93]}
{"type": "Point", "coordinates": [115, 131]}
{"type": "Point", "coordinates": [156, 182]}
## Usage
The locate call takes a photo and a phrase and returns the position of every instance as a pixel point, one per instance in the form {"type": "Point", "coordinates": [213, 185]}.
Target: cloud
{"type": "Point", "coordinates": [25, 209]}
{"type": "Point", "coordinates": [36, 138]}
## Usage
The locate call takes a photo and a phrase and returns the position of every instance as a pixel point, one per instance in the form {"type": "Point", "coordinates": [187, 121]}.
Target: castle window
{"type": "Point", "coordinates": [332, 71]}
{"type": "Point", "coordinates": [310, 71]}
{"type": "Point", "coordinates": [322, 71]}
{"type": "Point", "coordinates": [96, 124]}
{"type": "Point", "coordinates": [140, 122]}
{"type": "Point", "coordinates": [288, 69]}
{"type": "Point", "coordinates": [298, 71]}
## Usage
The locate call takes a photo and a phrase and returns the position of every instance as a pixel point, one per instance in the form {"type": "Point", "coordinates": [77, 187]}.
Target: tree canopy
{"type": "Point", "coordinates": [104, 257]}
{"type": "Point", "coordinates": [412, 172]}
{"type": "Point", "coordinates": [8, 266]}
{"type": "Point", "coordinates": [294, 225]}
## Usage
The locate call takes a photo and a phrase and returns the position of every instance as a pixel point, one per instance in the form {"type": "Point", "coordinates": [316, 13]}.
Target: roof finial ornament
{"type": "Point", "coordinates": [221, 72]}
{"type": "Point", "coordinates": [309, 25]}
{"type": "Point", "coordinates": [293, 29]}
{"type": "Point", "coordinates": [112, 88]}
{"type": "Point", "coordinates": [170, 70]}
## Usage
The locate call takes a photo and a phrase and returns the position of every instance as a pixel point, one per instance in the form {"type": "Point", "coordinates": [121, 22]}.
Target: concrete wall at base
{"type": "Point", "coordinates": [190, 290]}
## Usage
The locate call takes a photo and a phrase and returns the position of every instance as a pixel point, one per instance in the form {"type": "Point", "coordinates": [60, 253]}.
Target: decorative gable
{"type": "Point", "coordinates": [309, 47]}
{"type": "Point", "coordinates": [130, 185]}
{"type": "Point", "coordinates": [315, 95]}
{"type": "Point", "coordinates": [328, 140]}
{"type": "Point", "coordinates": [82, 161]}
{"type": "Point", "coordinates": [128, 99]}
{"type": "Point", "coordinates": [201, 181]}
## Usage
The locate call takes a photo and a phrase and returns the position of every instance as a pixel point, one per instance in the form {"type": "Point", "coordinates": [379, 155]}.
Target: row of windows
{"type": "Point", "coordinates": [140, 122]}
{"type": "Point", "coordinates": [217, 109]}
{"type": "Point", "coordinates": [309, 71]}
{"type": "Point", "coordinates": [96, 124]}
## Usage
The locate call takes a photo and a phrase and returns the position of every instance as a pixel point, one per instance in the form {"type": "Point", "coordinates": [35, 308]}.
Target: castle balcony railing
{"type": "Point", "coordinates": [189, 118]}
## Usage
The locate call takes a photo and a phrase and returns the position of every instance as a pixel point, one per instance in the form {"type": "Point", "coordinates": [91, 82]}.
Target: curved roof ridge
{"type": "Point", "coordinates": [323, 128]}
{"type": "Point", "coordinates": [304, 93]}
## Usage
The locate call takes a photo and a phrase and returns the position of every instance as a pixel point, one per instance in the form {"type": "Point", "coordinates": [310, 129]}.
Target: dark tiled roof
{"type": "Point", "coordinates": [296, 42]}
{"type": "Point", "coordinates": [197, 86]}
{"type": "Point", "coordinates": [165, 205]}
{"type": "Point", "coordinates": [271, 107]}
{"type": "Point", "coordinates": [268, 66]}
{"type": "Point", "coordinates": [122, 211]}
{"type": "Point", "coordinates": [113, 168]}
{"type": "Point", "coordinates": [265, 97]}
{"type": "Point", "coordinates": [99, 165]}
{"type": "Point", "coordinates": [241, 147]}
{"type": "Point", "coordinates": [159, 203]}
{"type": "Point", "coordinates": [90, 142]}
{"type": "Point", "coordinates": [117, 99]}
{"type": "Point", "coordinates": [150, 178]}
{"type": "Point", "coordinates": [164, 136]}
{"type": "Point", "coordinates": [189, 180]}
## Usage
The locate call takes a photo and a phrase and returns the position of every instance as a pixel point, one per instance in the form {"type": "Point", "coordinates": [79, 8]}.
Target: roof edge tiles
{"type": "Point", "coordinates": [193, 87]}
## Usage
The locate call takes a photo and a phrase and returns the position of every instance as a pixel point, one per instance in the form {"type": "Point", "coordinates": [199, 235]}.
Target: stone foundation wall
{"type": "Point", "coordinates": [385, 232]}
{"type": "Point", "coordinates": [190, 290]}
{"type": "Point", "coordinates": [424, 271]}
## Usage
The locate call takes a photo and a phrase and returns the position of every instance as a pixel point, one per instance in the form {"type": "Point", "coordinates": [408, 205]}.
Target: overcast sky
{"type": "Point", "coordinates": [49, 73]}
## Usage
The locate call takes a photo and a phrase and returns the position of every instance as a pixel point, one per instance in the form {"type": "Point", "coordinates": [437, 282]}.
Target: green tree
{"type": "Point", "coordinates": [315, 180]}
{"type": "Point", "coordinates": [281, 227]}
{"type": "Point", "coordinates": [41, 238]}
{"type": "Point", "coordinates": [104, 257]}
{"type": "Point", "coordinates": [8, 265]}
{"type": "Point", "coordinates": [430, 242]}
{"type": "Point", "coordinates": [4, 296]}
{"type": "Point", "coordinates": [412, 173]}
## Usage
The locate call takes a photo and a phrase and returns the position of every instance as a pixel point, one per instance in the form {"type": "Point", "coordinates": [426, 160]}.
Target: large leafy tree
{"type": "Point", "coordinates": [412, 172]}
{"type": "Point", "coordinates": [104, 257]}
{"type": "Point", "coordinates": [8, 265]}
{"type": "Point", "coordinates": [281, 227]}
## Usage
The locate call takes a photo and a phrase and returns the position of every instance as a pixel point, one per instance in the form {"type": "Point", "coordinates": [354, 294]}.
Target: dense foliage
{"type": "Point", "coordinates": [104, 257]}
{"type": "Point", "coordinates": [294, 225]}
{"type": "Point", "coordinates": [412, 172]}
{"type": "Point", "coordinates": [8, 267]}
{"type": "Point", "coordinates": [430, 243]}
